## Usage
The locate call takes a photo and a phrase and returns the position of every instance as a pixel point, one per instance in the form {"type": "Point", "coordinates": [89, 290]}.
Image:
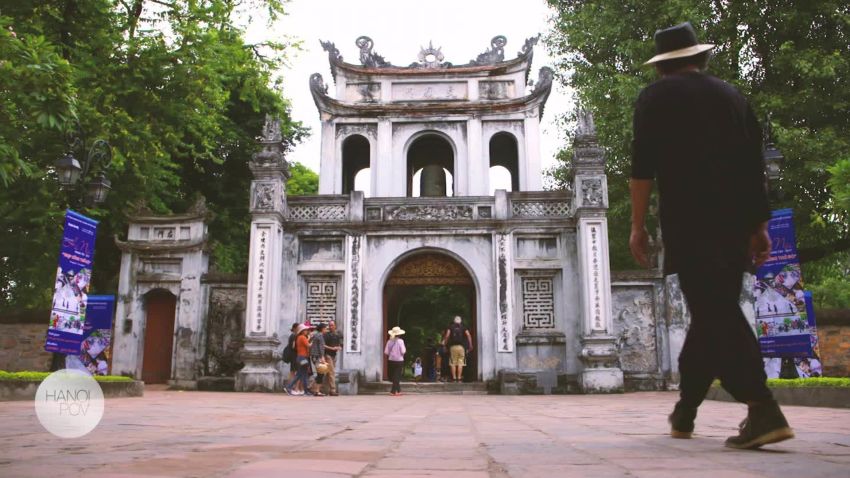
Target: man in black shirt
{"type": "Point", "coordinates": [699, 137]}
{"type": "Point", "coordinates": [333, 341]}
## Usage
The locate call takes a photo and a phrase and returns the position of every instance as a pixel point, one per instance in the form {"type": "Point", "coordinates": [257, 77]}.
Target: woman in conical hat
{"type": "Point", "coordinates": [395, 350]}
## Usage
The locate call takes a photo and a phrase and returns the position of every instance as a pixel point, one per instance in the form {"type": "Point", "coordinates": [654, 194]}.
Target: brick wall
{"type": "Point", "coordinates": [22, 347]}
{"type": "Point", "coordinates": [835, 349]}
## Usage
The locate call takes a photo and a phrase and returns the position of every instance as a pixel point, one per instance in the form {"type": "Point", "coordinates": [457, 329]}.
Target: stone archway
{"type": "Point", "coordinates": [422, 294]}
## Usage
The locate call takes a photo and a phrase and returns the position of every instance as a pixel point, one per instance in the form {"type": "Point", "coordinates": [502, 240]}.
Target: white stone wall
{"type": "Point", "coordinates": [162, 254]}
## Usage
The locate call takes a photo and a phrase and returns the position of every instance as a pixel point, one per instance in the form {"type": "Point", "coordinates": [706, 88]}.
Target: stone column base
{"type": "Point", "coordinates": [260, 373]}
{"type": "Point", "coordinates": [602, 373]}
{"type": "Point", "coordinates": [601, 380]}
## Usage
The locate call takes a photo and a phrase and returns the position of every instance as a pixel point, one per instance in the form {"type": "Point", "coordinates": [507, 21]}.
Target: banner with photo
{"type": "Point", "coordinates": [97, 338]}
{"type": "Point", "coordinates": [785, 322]}
{"type": "Point", "coordinates": [70, 292]}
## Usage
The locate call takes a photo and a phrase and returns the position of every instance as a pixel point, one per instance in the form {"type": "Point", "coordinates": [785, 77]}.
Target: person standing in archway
{"type": "Point", "coordinates": [459, 341]}
{"type": "Point", "coordinates": [395, 350]}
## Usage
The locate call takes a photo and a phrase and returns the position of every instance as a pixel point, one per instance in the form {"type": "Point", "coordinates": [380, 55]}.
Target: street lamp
{"type": "Point", "coordinates": [69, 170]}
{"type": "Point", "coordinates": [773, 159]}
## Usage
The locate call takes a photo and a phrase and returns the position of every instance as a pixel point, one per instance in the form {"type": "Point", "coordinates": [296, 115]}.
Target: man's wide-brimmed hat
{"type": "Point", "coordinates": [678, 41]}
{"type": "Point", "coordinates": [396, 331]}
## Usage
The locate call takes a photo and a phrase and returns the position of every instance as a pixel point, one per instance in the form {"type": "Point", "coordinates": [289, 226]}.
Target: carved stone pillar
{"type": "Point", "coordinates": [602, 372]}
{"type": "Point", "coordinates": [261, 351]}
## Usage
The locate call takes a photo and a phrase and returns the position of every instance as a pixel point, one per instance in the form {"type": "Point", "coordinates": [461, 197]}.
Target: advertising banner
{"type": "Point", "coordinates": [784, 318]}
{"type": "Point", "coordinates": [97, 338]}
{"type": "Point", "coordinates": [70, 292]}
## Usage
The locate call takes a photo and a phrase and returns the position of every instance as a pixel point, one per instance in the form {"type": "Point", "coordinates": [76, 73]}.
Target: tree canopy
{"type": "Point", "coordinates": [792, 59]}
{"type": "Point", "coordinates": [171, 85]}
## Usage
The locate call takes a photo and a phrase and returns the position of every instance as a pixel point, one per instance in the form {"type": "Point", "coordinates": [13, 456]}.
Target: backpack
{"type": "Point", "coordinates": [456, 335]}
{"type": "Point", "coordinates": [288, 354]}
{"type": "Point", "coordinates": [289, 351]}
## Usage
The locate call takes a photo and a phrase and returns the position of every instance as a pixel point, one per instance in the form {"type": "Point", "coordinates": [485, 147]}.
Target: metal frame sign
{"type": "Point", "coordinates": [66, 330]}
{"type": "Point", "coordinates": [785, 323]}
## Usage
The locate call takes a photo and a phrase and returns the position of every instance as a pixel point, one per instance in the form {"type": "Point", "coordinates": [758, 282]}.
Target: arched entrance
{"type": "Point", "coordinates": [160, 307]}
{"type": "Point", "coordinates": [422, 295]}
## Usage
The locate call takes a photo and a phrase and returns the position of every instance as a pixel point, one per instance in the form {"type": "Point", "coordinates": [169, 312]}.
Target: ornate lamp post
{"type": "Point", "coordinates": [773, 160]}
{"type": "Point", "coordinates": [70, 171]}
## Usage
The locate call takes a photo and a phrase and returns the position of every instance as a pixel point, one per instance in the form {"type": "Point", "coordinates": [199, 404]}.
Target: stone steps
{"type": "Point", "coordinates": [425, 388]}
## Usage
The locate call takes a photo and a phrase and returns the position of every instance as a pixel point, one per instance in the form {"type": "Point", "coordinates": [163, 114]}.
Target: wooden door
{"type": "Point", "coordinates": [159, 337]}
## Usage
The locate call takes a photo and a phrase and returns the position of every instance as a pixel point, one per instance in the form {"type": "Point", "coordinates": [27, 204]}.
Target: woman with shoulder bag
{"type": "Point", "coordinates": [395, 351]}
{"type": "Point", "coordinates": [302, 359]}
{"type": "Point", "coordinates": [317, 357]}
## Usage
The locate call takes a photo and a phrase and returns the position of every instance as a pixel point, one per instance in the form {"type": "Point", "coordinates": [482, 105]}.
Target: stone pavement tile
{"type": "Point", "coordinates": [415, 473]}
{"type": "Point", "coordinates": [550, 454]}
{"type": "Point", "coordinates": [427, 452]}
{"type": "Point", "coordinates": [788, 463]}
{"type": "Point", "coordinates": [683, 462]}
{"type": "Point", "coordinates": [711, 473]}
{"type": "Point", "coordinates": [108, 474]}
{"type": "Point", "coordinates": [552, 471]}
{"type": "Point", "coordinates": [404, 462]}
{"type": "Point", "coordinates": [299, 467]}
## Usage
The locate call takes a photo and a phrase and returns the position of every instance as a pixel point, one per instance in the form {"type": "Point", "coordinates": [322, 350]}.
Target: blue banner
{"type": "Point", "coordinates": [784, 317]}
{"type": "Point", "coordinates": [97, 335]}
{"type": "Point", "coordinates": [70, 292]}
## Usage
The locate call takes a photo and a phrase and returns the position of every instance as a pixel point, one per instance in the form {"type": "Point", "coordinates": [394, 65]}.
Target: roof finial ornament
{"type": "Point", "coordinates": [586, 127]}
{"type": "Point", "coordinates": [528, 46]}
{"type": "Point", "coordinates": [367, 56]}
{"type": "Point", "coordinates": [494, 54]}
{"type": "Point", "coordinates": [333, 51]}
{"type": "Point", "coordinates": [431, 57]}
{"type": "Point", "coordinates": [271, 130]}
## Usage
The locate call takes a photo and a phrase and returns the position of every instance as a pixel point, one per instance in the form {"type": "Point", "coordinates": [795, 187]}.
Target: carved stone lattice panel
{"type": "Point", "coordinates": [538, 302]}
{"type": "Point", "coordinates": [540, 208]}
{"type": "Point", "coordinates": [331, 212]}
{"type": "Point", "coordinates": [591, 192]}
{"type": "Point", "coordinates": [430, 269]}
{"type": "Point", "coordinates": [634, 326]}
{"type": "Point", "coordinates": [428, 213]}
{"type": "Point", "coordinates": [321, 299]}
{"type": "Point", "coordinates": [263, 198]}
{"type": "Point", "coordinates": [225, 331]}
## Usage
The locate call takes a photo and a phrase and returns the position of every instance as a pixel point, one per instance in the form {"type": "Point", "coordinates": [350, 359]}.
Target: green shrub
{"type": "Point", "coordinates": [841, 382]}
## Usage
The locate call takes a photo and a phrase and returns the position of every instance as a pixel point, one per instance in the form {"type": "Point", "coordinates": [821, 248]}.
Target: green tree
{"type": "Point", "coordinates": [175, 89]}
{"type": "Point", "coordinates": [792, 59]}
{"type": "Point", "coordinates": [304, 181]}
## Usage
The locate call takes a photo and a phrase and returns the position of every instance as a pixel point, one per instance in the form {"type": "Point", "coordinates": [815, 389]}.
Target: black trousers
{"type": "Point", "coordinates": [720, 343]}
{"type": "Point", "coordinates": [395, 369]}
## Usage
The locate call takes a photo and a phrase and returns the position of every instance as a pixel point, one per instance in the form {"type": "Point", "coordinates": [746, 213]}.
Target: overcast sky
{"type": "Point", "coordinates": [463, 28]}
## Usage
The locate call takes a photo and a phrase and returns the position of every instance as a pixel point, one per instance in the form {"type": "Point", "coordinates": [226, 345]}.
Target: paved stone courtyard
{"type": "Point", "coordinates": [204, 434]}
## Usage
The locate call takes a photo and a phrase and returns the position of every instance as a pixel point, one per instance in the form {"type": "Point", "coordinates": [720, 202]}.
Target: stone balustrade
{"type": "Point", "coordinates": [502, 206]}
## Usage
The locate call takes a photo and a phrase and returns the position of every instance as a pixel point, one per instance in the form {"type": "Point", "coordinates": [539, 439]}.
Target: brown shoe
{"type": "Point", "coordinates": [333, 394]}
{"type": "Point", "coordinates": [764, 424]}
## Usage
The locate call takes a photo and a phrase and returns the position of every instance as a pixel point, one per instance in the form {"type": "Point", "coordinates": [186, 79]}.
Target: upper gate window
{"type": "Point", "coordinates": [430, 159]}
{"type": "Point", "coordinates": [355, 158]}
{"type": "Point", "coordinates": [504, 162]}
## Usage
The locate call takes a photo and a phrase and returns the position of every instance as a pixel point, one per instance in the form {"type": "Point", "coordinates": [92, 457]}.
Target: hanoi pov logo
{"type": "Point", "coordinates": [69, 403]}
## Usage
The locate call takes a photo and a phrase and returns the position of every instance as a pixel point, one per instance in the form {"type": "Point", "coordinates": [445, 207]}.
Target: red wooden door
{"type": "Point", "coordinates": [159, 337]}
